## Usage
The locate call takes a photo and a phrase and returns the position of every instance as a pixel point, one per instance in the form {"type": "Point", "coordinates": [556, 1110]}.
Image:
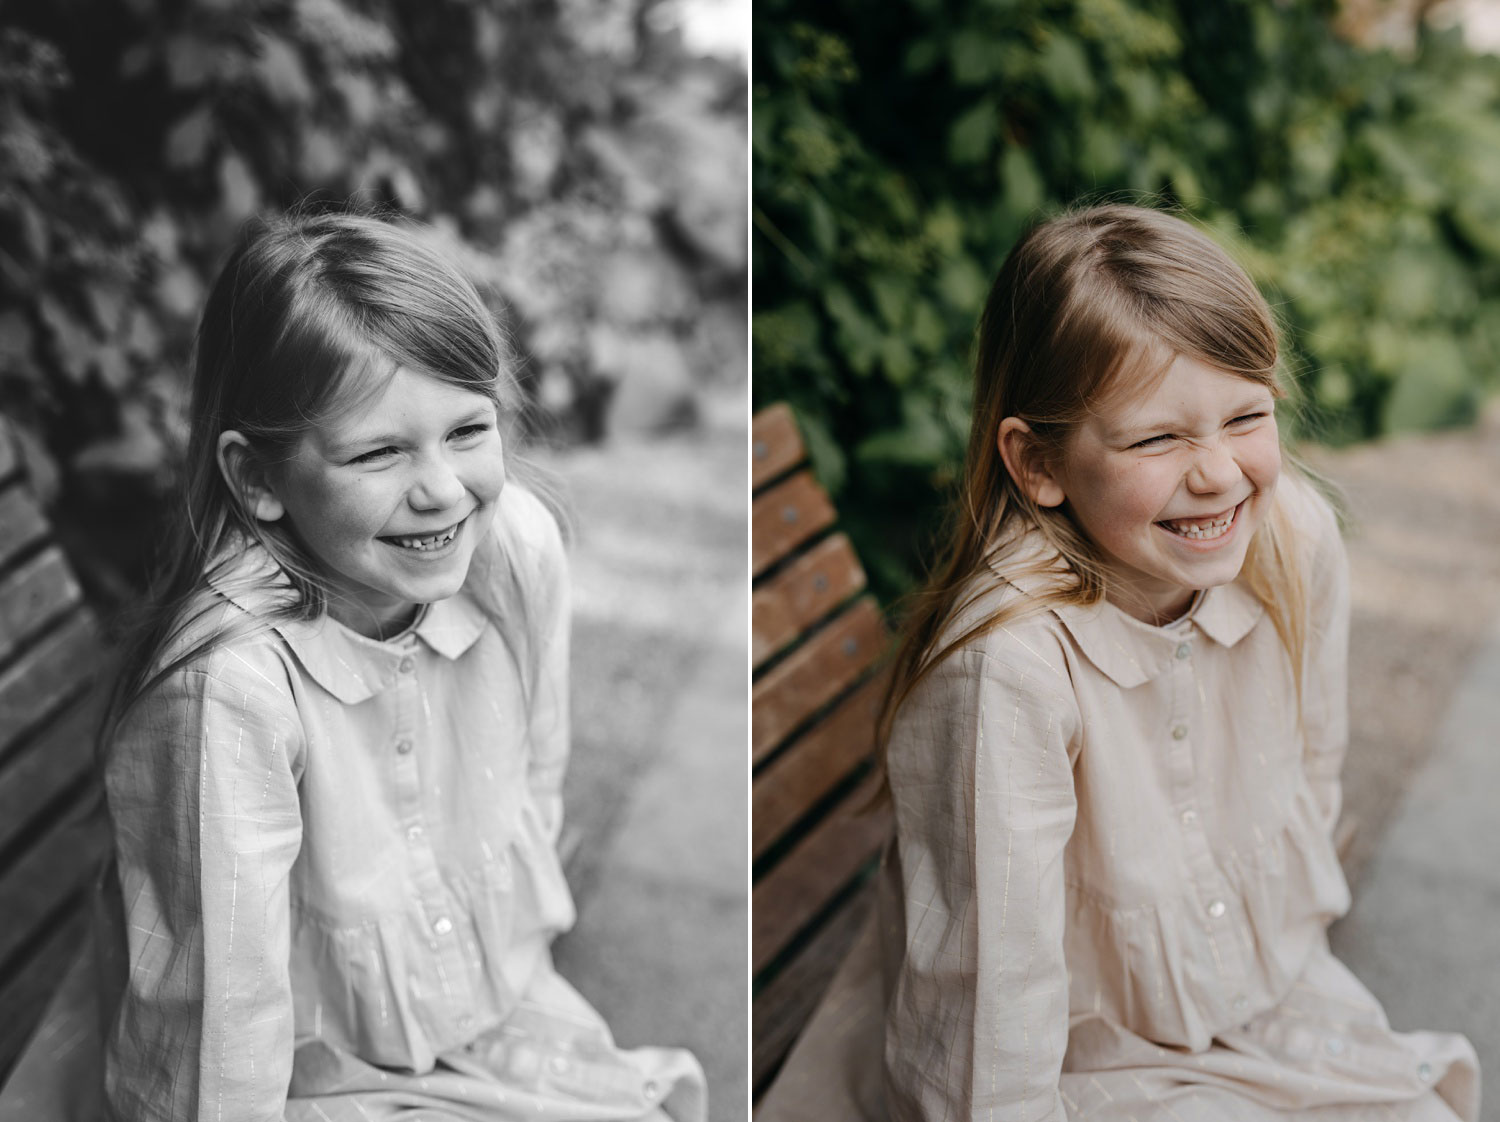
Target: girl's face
{"type": "Point", "coordinates": [394, 495]}
{"type": "Point", "coordinates": [1172, 484]}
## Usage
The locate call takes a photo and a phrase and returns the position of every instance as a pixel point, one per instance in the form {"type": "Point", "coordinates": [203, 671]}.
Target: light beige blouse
{"type": "Point", "coordinates": [1113, 855]}
{"type": "Point", "coordinates": [337, 864]}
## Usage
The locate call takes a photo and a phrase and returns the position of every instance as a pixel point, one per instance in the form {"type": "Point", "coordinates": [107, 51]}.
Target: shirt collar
{"type": "Point", "coordinates": [1129, 651]}
{"type": "Point", "coordinates": [348, 665]}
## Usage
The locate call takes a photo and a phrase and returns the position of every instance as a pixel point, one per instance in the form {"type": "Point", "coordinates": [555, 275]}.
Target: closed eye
{"type": "Point", "coordinates": [1246, 418]}
{"type": "Point", "coordinates": [374, 455]}
{"type": "Point", "coordinates": [1151, 441]}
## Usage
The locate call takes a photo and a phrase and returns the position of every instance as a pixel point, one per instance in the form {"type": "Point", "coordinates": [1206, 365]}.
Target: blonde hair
{"type": "Point", "coordinates": [1084, 304]}
{"type": "Point", "coordinates": [309, 315]}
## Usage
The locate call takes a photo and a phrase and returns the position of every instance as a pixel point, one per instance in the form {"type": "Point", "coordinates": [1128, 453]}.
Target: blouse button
{"type": "Point", "coordinates": [1335, 1045]}
{"type": "Point", "coordinates": [1179, 731]}
{"type": "Point", "coordinates": [1424, 1072]}
{"type": "Point", "coordinates": [403, 746]}
{"type": "Point", "coordinates": [1216, 908]}
{"type": "Point", "coordinates": [1189, 816]}
{"type": "Point", "coordinates": [442, 925]}
{"type": "Point", "coordinates": [413, 833]}
{"type": "Point", "coordinates": [408, 664]}
{"type": "Point", "coordinates": [558, 1065]}
{"type": "Point", "coordinates": [651, 1090]}
{"type": "Point", "coordinates": [1184, 649]}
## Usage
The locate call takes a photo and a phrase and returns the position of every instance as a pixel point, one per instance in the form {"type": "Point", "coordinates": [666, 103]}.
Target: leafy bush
{"type": "Point", "coordinates": [898, 151]}
{"type": "Point", "coordinates": [585, 168]}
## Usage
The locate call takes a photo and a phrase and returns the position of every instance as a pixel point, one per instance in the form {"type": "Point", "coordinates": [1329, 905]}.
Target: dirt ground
{"type": "Point", "coordinates": [1424, 550]}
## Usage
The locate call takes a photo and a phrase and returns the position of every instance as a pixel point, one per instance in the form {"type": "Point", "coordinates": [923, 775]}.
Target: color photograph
{"type": "Point", "coordinates": [1126, 583]}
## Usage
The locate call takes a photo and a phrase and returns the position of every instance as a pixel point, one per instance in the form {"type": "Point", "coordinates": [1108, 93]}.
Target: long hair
{"type": "Point", "coordinates": [1087, 303]}
{"type": "Point", "coordinates": [308, 315]}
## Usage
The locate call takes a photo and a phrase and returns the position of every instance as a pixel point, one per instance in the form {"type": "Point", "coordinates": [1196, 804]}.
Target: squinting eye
{"type": "Point", "coordinates": [1152, 440]}
{"type": "Point", "coordinates": [1247, 417]}
{"type": "Point", "coordinates": [470, 431]}
{"type": "Point", "coordinates": [373, 455]}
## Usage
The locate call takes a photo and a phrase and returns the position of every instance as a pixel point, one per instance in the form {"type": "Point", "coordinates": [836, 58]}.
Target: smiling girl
{"type": "Point", "coordinates": [1114, 736]}
{"type": "Point", "coordinates": [334, 761]}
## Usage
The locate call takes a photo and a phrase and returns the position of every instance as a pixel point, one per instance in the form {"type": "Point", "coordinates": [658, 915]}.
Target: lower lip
{"type": "Point", "coordinates": [1208, 545]}
{"type": "Point", "coordinates": [426, 555]}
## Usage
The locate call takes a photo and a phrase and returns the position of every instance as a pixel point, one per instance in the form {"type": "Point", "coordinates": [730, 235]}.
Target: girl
{"type": "Point", "coordinates": [1114, 736]}
{"type": "Point", "coordinates": [334, 765]}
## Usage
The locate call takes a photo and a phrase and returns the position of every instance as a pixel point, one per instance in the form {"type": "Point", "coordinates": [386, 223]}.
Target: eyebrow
{"type": "Point", "coordinates": [485, 413]}
{"type": "Point", "coordinates": [1253, 405]}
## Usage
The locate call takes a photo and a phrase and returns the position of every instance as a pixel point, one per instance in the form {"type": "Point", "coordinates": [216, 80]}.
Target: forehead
{"type": "Point", "coordinates": [393, 401]}
{"type": "Point", "coordinates": [1179, 390]}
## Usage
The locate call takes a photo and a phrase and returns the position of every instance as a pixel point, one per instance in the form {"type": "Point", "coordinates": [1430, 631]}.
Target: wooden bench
{"type": "Point", "coordinates": [817, 643]}
{"type": "Point", "coordinates": [53, 834]}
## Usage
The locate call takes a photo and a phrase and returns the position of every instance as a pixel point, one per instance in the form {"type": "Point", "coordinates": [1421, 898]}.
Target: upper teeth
{"type": "Point", "coordinates": [1202, 528]}
{"type": "Point", "coordinates": [432, 541]}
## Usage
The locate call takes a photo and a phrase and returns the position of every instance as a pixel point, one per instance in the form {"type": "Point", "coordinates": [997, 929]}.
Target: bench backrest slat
{"type": "Point", "coordinates": [788, 1000]}
{"type": "Point", "coordinates": [821, 864]}
{"type": "Point", "coordinates": [48, 675]}
{"type": "Point", "coordinates": [35, 781]}
{"type": "Point", "coordinates": [802, 593]}
{"type": "Point", "coordinates": [775, 444]}
{"type": "Point", "coordinates": [50, 875]}
{"type": "Point", "coordinates": [817, 645]}
{"type": "Point", "coordinates": [786, 516]}
{"type": "Point", "coordinates": [37, 591]}
{"type": "Point", "coordinates": [814, 674]}
{"type": "Point", "coordinates": [795, 782]}
{"type": "Point", "coordinates": [52, 833]}
{"type": "Point", "coordinates": [20, 520]}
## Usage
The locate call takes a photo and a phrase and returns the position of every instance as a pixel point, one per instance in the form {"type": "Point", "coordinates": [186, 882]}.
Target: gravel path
{"type": "Point", "coordinates": [1424, 552]}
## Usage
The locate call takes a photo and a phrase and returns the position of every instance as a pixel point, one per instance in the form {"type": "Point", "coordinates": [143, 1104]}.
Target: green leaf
{"type": "Point", "coordinates": [828, 461]}
{"type": "Point", "coordinates": [922, 56]}
{"type": "Point", "coordinates": [860, 337]}
{"type": "Point", "coordinates": [963, 285]}
{"type": "Point", "coordinates": [972, 136]}
{"type": "Point", "coordinates": [920, 440]}
{"type": "Point", "coordinates": [893, 295]}
{"type": "Point", "coordinates": [1024, 189]}
{"type": "Point", "coordinates": [821, 224]}
{"type": "Point", "coordinates": [974, 58]}
{"type": "Point", "coordinates": [1064, 67]}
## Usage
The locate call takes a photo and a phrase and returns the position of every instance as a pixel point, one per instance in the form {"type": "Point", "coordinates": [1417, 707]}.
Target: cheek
{"type": "Point", "coordinates": [487, 479]}
{"type": "Point", "coordinates": [355, 507]}
{"type": "Point", "coordinates": [1261, 460]}
{"type": "Point", "coordinates": [1138, 491]}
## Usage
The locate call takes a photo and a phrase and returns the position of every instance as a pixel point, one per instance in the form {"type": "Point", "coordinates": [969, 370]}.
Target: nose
{"type": "Point", "coordinates": [436, 486]}
{"type": "Point", "coordinates": [1214, 469]}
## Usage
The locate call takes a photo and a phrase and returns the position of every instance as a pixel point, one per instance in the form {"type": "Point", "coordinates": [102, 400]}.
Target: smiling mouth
{"type": "Point", "coordinates": [426, 543]}
{"type": "Point", "coordinates": [1202, 529]}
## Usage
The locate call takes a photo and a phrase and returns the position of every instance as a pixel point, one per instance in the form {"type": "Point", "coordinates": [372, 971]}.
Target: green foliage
{"type": "Point", "coordinates": [898, 152]}
{"type": "Point", "coordinates": [584, 168]}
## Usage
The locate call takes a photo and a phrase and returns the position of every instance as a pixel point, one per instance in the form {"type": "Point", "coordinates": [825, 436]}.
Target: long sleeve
{"type": "Point", "coordinates": [202, 787]}
{"type": "Point", "coordinates": [550, 728]}
{"type": "Point", "coordinates": [539, 567]}
{"type": "Point", "coordinates": [1325, 686]}
{"type": "Point", "coordinates": [981, 772]}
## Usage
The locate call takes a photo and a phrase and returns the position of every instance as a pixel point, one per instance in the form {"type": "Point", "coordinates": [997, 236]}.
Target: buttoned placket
{"type": "Point", "coordinates": [450, 965]}
{"type": "Point", "coordinates": [1215, 900]}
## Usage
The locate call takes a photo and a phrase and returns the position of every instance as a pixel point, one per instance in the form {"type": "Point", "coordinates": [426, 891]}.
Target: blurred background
{"type": "Point", "coordinates": [585, 161]}
{"type": "Point", "coordinates": [1348, 153]}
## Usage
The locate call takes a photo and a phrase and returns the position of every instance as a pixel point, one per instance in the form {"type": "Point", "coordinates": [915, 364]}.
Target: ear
{"type": "Point", "coordinates": [246, 477]}
{"type": "Point", "coordinates": [1027, 464]}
